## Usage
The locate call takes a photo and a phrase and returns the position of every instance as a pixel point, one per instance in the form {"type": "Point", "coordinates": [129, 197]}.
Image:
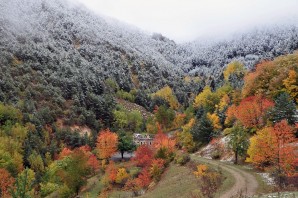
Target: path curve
{"type": "Point", "coordinates": [245, 182]}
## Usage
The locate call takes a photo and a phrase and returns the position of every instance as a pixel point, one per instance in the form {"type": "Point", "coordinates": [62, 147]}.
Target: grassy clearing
{"type": "Point", "coordinates": [120, 194]}
{"type": "Point", "coordinates": [228, 181]}
{"type": "Point", "coordinates": [177, 182]}
{"type": "Point", "coordinates": [93, 187]}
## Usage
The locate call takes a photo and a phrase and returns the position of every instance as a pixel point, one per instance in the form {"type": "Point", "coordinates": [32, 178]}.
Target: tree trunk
{"type": "Point", "coordinates": [122, 153]}
{"type": "Point", "coordinates": [236, 157]}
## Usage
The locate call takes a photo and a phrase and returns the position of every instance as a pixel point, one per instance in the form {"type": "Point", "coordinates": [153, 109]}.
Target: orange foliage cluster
{"type": "Point", "coordinates": [152, 167]}
{"type": "Point", "coordinates": [93, 163]}
{"type": "Point", "coordinates": [201, 170]}
{"type": "Point", "coordinates": [65, 152]}
{"type": "Point", "coordinates": [275, 146]}
{"type": "Point", "coordinates": [106, 144]}
{"type": "Point", "coordinates": [160, 163]}
{"type": "Point", "coordinates": [161, 140]}
{"type": "Point", "coordinates": [144, 178]}
{"type": "Point", "coordinates": [111, 171]}
{"type": "Point", "coordinates": [269, 77]}
{"type": "Point", "coordinates": [250, 112]}
{"type": "Point", "coordinates": [142, 181]}
{"type": "Point", "coordinates": [6, 182]}
{"type": "Point", "coordinates": [92, 159]}
{"type": "Point", "coordinates": [143, 156]}
{"type": "Point", "coordinates": [85, 148]}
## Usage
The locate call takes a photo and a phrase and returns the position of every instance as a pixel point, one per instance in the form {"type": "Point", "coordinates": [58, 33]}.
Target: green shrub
{"type": "Point", "coordinates": [126, 95]}
{"type": "Point", "coordinates": [48, 188]}
{"type": "Point", "coordinates": [9, 113]}
{"type": "Point", "coordinates": [182, 158]}
{"type": "Point", "coordinates": [65, 192]}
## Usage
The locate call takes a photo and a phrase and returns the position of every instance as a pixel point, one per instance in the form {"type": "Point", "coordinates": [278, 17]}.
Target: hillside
{"type": "Point", "coordinates": [73, 52]}
{"type": "Point", "coordinates": [57, 55]}
{"type": "Point", "coordinates": [75, 86]}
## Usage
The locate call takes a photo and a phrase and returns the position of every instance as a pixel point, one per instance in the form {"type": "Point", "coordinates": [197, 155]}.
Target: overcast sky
{"type": "Point", "coordinates": [186, 20]}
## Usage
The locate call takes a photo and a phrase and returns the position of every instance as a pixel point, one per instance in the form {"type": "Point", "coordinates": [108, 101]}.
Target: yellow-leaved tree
{"type": "Point", "coordinates": [167, 94]}
{"type": "Point", "coordinates": [233, 68]}
{"type": "Point", "coordinates": [185, 138]}
{"type": "Point", "coordinates": [215, 120]}
{"type": "Point", "coordinates": [201, 170]}
{"type": "Point", "coordinates": [291, 84]}
{"type": "Point", "coordinates": [206, 99]}
{"type": "Point", "coordinates": [121, 176]}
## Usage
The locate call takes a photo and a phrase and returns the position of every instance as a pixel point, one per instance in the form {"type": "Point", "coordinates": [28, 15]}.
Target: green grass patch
{"type": "Point", "coordinates": [120, 194]}
{"type": "Point", "coordinates": [176, 182]}
{"type": "Point", "coordinates": [93, 187]}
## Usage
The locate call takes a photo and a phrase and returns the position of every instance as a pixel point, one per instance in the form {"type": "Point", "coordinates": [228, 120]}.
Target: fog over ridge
{"type": "Point", "coordinates": [192, 19]}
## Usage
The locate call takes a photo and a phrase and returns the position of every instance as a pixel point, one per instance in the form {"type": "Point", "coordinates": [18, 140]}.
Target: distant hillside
{"type": "Point", "coordinates": [209, 59]}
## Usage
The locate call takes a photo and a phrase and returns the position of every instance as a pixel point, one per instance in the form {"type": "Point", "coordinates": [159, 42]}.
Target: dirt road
{"type": "Point", "coordinates": [245, 183]}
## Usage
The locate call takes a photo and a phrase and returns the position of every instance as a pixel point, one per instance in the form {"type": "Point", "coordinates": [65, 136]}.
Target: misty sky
{"type": "Point", "coordinates": [186, 20]}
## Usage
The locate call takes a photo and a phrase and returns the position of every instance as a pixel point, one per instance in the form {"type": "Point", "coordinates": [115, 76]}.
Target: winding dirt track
{"type": "Point", "coordinates": [245, 183]}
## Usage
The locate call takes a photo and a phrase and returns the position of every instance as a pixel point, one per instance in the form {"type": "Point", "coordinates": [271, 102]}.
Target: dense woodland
{"type": "Point", "coordinates": [65, 73]}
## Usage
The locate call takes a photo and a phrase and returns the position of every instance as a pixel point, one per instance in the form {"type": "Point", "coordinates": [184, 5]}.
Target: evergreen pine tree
{"type": "Point", "coordinates": [203, 130]}
{"type": "Point", "coordinates": [284, 109]}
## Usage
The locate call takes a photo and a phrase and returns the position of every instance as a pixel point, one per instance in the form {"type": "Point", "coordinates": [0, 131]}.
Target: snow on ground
{"type": "Point", "coordinates": [267, 178]}
{"type": "Point", "coordinates": [221, 147]}
{"type": "Point", "coordinates": [281, 195]}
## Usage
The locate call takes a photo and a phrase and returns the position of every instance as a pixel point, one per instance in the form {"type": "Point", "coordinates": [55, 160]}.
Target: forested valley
{"type": "Point", "coordinates": [76, 90]}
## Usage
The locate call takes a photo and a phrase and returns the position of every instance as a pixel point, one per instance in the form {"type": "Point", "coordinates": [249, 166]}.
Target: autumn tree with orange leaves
{"type": "Point", "coordinates": [274, 148]}
{"type": "Point", "coordinates": [142, 181]}
{"type": "Point", "coordinates": [6, 182]}
{"type": "Point", "coordinates": [111, 172]}
{"type": "Point", "coordinates": [93, 163]}
{"type": "Point", "coordinates": [143, 156]}
{"type": "Point", "coordinates": [65, 152]}
{"type": "Point", "coordinates": [144, 178]}
{"type": "Point", "coordinates": [251, 111]}
{"type": "Point", "coordinates": [270, 77]}
{"type": "Point", "coordinates": [162, 140]}
{"type": "Point", "coordinates": [106, 144]}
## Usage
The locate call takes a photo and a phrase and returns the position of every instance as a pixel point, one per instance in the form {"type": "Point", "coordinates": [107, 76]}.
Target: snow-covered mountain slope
{"type": "Point", "coordinates": [70, 42]}
{"type": "Point", "coordinates": [75, 50]}
{"type": "Point", "coordinates": [249, 48]}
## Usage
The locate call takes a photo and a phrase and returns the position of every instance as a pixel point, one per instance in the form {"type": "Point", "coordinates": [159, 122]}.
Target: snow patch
{"type": "Point", "coordinates": [219, 147]}
{"type": "Point", "coordinates": [267, 178]}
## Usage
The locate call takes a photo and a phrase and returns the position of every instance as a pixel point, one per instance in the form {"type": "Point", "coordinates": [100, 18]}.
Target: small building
{"type": "Point", "coordinates": [142, 139]}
